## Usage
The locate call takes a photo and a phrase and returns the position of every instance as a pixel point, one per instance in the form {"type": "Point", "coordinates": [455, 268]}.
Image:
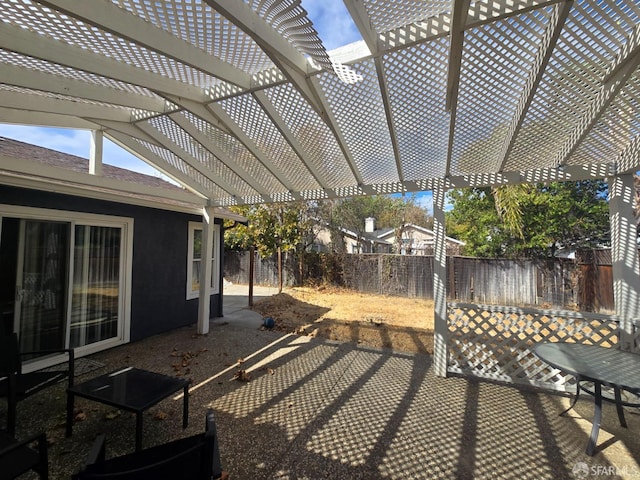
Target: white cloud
{"type": "Point", "coordinates": [332, 22]}
{"type": "Point", "coordinates": [74, 142]}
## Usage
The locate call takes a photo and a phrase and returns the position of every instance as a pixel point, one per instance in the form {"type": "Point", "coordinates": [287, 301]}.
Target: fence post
{"type": "Point", "coordinates": [279, 269]}
{"type": "Point", "coordinates": [252, 256]}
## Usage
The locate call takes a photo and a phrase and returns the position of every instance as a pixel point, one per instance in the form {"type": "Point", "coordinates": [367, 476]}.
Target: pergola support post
{"type": "Point", "coordinates": [624, 256]}
{"type": "Point", "coordinates": [441, 327]}
{"type": "Point", "coordinates": [206, 256]}
{"type": "Point", "coordinates": [95, 152]}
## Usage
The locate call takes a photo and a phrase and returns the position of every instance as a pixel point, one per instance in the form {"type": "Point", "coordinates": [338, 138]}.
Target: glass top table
{"type": "Point", "coordinates": [129, 389]}
{"type": "Point", "coordinates": [602, 366]}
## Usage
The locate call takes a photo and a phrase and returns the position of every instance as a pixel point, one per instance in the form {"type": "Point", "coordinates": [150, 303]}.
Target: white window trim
{"type": "Point", "coordinates": [215, 288]}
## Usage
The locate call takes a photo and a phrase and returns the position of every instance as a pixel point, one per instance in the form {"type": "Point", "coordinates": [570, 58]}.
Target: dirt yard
{"type": "Point", "coordinates": [401, 324]}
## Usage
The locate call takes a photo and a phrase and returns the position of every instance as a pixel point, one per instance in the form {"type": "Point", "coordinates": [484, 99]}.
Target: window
{"type": "Point", "coordinates": [194, 260]}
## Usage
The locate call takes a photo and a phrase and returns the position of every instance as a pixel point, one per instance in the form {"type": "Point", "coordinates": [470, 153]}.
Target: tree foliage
{"type": "Point", "coordinates": [286, 225]}
{"type": "Point", "coordinates": [388, 212]}
{"type": "Point", "coordinates": [294, 225]}
{"type": "Point", "coordinates": [530, 221]}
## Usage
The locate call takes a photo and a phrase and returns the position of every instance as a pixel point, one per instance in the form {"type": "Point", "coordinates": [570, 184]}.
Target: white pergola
{"type": "Point", "coordinates": [240, 102]}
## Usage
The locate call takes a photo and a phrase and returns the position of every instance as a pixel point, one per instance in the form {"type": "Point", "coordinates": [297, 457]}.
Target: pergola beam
{"type": "Point", "coordinates": [137, 149]}
{"type": "Point", "coordinates": [629, 49]}
{"type": "Point", "coordinates": [24, 117]}
{"type": "Point", "coordinates": [545, 50]}
{"type": "Point", "coordinates": [34, 45]}
{"type": "Point", "coordinates": [621, 70]}
{"type": "Point", "coordinates": [456, 45]}
{"type": "Point", "coordinates": [211, 147]}
{"type": "Point", "coordinates": [361, 18]}
{"type": "Point", "coordinates": [107, 16]}
{"type": "Point", "coordinates": [125, 128]}
{"type": "Point", "coordinates": [188, 158]}
{"type": "Point", "coordinates": [46, 82]}
{"type": "Point", "coordinates": [52, 174]}
{"type": "Point", "coordinates": [45, 104]}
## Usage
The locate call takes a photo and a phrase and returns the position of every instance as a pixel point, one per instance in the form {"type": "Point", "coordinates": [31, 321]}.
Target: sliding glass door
{"type": "Point", "coordinates": [63, 278]}
{"type": "Point", "coordinates": [41, 284]}
{"type": "Point", "coordinates": [96, 285]}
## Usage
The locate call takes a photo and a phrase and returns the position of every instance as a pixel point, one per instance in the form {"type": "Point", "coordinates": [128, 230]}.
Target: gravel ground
{"type": "Point", "coordinates": [311, 408]}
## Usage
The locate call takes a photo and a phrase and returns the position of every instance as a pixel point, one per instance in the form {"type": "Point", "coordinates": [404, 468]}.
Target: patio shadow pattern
{"type": "Point", "coordinates": [316, 409]}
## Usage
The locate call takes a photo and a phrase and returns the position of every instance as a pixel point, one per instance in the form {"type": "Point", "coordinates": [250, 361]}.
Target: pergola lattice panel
{"type": "Point", "coordinates": [433, 94]}
{"type": "Point", "coordinates": [416, 85]}
{"type": "Point", "coordinates": [490, 88]}
{"type": "Point", "coordinates": [495, 342]}
{"type": "Point", "coordinates": [359, 105]}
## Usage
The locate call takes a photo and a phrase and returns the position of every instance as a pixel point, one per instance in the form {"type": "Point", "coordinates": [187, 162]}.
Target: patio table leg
{"type": "Point", "coordinates": [575, 397]}
{"type": "Point", "coordinates": [597, 417]}
{"type": "Point", "coordinates": [139, 431]}
{"type": "Point", "coordinates": [70, 401]}
{"type": "Point", "coordinates": [623, 422]}
{"type": "Point", "coordinates": [185, 407]}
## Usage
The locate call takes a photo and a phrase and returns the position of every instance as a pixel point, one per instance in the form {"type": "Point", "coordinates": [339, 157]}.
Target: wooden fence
{"type": "Point", "coordinates": [584, 284]}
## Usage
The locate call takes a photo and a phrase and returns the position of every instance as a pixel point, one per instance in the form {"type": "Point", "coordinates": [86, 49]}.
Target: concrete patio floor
{"type": "Point", "coordinates": [316, 409]}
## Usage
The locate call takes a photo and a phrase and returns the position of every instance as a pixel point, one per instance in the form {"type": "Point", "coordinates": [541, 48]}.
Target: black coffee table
{"type": "Point", "coordinates": [602, 366]}
{"type": "Point", "coordinates": [130, 389]}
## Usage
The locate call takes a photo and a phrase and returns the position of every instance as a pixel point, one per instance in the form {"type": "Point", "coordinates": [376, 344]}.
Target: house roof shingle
{"type": "Point", "coordinates": [10, 148]}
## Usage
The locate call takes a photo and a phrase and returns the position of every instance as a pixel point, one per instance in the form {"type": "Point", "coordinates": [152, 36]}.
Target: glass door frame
{"type": "Point", "coordinates": [126, 267]}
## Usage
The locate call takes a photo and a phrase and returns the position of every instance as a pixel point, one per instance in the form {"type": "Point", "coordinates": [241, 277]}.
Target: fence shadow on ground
{"type": "Point", "coordinates": [376, 335]}
{"type": "Point", "coordinates": [295, 316]}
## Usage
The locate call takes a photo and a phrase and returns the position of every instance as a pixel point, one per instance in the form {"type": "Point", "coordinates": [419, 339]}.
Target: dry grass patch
{"type": "Point", "coordinates": [402, 324]}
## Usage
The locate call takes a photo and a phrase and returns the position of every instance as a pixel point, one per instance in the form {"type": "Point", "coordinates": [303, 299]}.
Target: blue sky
{"type": "Point", "coordinates": [330, 19]}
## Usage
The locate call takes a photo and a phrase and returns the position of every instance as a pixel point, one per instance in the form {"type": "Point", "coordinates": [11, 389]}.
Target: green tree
{"type": "Point", "coordinates": [389, 212]}
{"type": "Point", "coordinates": [286, 225]}
{"type": "Point", "coordinates": [530, 221]}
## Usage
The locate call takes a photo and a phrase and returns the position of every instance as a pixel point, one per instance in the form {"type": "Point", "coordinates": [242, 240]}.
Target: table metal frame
{"type": "Point", "coordinates": [598, 365]}
{"type": "Point", "coordinates": [101, 389]}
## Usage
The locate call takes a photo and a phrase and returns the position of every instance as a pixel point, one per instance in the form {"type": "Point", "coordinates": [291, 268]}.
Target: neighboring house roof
{"type": "Point", "coordinates": [52, 170]}
{"type": "Point", "coordinates": [388, 234]}
{"type": "Point", "coordinates": [365, 236]}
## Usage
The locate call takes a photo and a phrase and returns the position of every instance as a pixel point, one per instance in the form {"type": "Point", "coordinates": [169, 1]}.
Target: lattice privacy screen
{"type": "Point", "coordinates": [496, 342]}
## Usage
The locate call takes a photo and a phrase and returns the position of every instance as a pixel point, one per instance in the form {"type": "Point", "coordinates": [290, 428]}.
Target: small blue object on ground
{"type": "Point", "coordinates": [268, 322]}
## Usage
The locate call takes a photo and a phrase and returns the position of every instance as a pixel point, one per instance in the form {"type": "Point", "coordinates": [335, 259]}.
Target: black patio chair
{"type": "Point", "coordinates": [16, 385]}
{"type": "Point", "coordinates": [18, 457]}
{"type": "Point", "coordinates": [196, 457]}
